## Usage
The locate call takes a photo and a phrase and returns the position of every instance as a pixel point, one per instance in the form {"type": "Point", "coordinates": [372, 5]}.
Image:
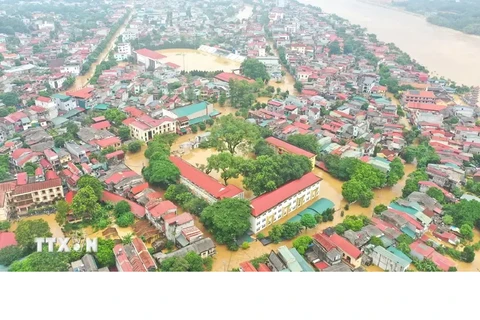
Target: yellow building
{"type": "Point", "coordinates": [144, 128]}
{"type": "Point", "coordinates": [281, 146]}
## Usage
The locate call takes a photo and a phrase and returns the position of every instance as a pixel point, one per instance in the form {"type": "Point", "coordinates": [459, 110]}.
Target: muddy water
{"type": "Point", "coordinates": [136, 161]}
{"type": "Point", "coordinates": [443, 51]}
{"type": "Point", "coordinates": [81, 81]}
{"type": "Point", "coordinates": [50, 219]}
{"type": "Point", "coordinates": [190, 59]}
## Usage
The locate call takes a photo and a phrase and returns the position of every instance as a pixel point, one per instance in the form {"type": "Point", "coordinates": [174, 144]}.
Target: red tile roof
{"type": "Point", "coordinates": [263, 268]}
{"type": "Point", "coordinates": [150, 54]}
{"type": "Point", "coordinates": [7, 239]}
{"type": "Point", "coordinates": [50, 175]}
{"type": "Point", "coordinates": [143, 253]}
{"type": "Point", "coordinates": [98, 119]}
{"type": "Point", "coordinates": [137, 209]}
{"type": "Point", "coordinates": [122, 259]}
{"type": "Point", "coordinates": [85, 93]}
{"type": "Point", "coordinates": [321, 265]}
{"type": "Point", "coordinates": [345, 246]}
{"type": "Point", "coordinates": [36, 186]}
{"type": "Point", "coordinates": [119, 176]}
{"type": "Point", "coordinates": [423, 94]}
{"type": "Point", "coordinates": [107, 142]}
{"type": "Point", "coordinates": [227, 76]}
{"type": "Point", "coordinates": [19, 152]}
{"type": "Point", "coordinates": [421, 248]}
{"type": "Point", "coordinates": [114, 154]}
{"type": "Point", "coordinates": [324, 241]}
{"type": "Point", "coordinates": [101, 125]}
{"type": "Point", "coordinates": [180, 219]}
{"type": "Point", "coordinates": [43, 99]}
{"type": "Point", "coordinates": [133, 112]}
{"type": "Point", "coordinates": [247, 266]}
{"type": "Point", "coordinates": [288, 147]}
{"type": "Point", "coordinates": [139, 188]}
{"type": "Point", "coordinates": [162, 208]}
{"type": "Point", "coordinates": [408, 217]}
{"type": "Point", "coordinates": [441, 261]}
{"type": "Point", "coordinates": [271, 199]}
{"type": "Point", "coordinates": [172, 65]}
{"type": "Point", "coordinates": [204, 181]}
{"type": "Point", "coordinates": [22, 178]}
{"type": "Point", "coordinates": [45, 164]}
{"type": "Point", "coordinates": [69, 196]}
{"type": "Point", "coordinates": [425, 106]}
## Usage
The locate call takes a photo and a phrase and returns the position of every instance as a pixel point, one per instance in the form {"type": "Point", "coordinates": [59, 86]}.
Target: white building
{"type": "Point", "coordinates": [388, 261]}
{"type": "Point", "coordinates": [129, 34]}
{"type": "Point", "coordinates": [72, 69]}
{"type": "Point", "coordinates": [48, 104]}
{"type": "Point", "coordinates": [124, 51]}
{"type": "Point", "coordinates": [144, 128]}
{"type": "Point", "coordinates": [274, 205]}
{"type": "Point", "coordinates": [271, 63]}
{"type": "Point", "coordinates": [63, 102]}
{"type": "Point", "coordinates": [56, 81]}
{"type": "Point", "coordinates": [149, 58]}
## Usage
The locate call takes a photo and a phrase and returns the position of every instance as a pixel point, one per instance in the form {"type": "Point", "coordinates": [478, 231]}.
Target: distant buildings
{"type": "Point", "coordinates": [285, 147]}
{"type": "Point", "coordinates": [149, 58]}
{"type": "Point", "coordinates": [419, 96]}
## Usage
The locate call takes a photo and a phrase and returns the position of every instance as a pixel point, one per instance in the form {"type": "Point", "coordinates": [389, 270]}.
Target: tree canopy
{"type": "Point", "coordinates": [94, 183]}
{"type": "Point", "coordinates": [226, 163]}
{"type": "Point", "coordinates": [304, 141]}
{"type": "Point", "coordinates": [42, 262]}
{"type": "Point", "coordinates": [84, 202]}
{"type": "Point", "coordinates": [28, 230]}
{"type": "Point", "coordinates": [464, 212]}
{"type": "Point", "coordinates": [229, 133]}
{"type": "Point", "coordinates": [302, 243]}
{"type": "Point", "coordinates": [191, 262]}
{"type": "Point", "coordinates": [227, 219]}
{"type": "Point", "coordinates": [10, 254]}
{"type": "Point", "coordinates": [254, 69]}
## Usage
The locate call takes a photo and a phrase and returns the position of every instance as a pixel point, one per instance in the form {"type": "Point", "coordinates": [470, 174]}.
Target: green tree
{"type": "Point", "coordinates": [59, 141]}
{"type": "Point", "coordinates": [124, 133]}
{"type": "Point", "coordinates": [308, 221]}
{"type": "Point", "coordinates": [84, 202]}
{"type": "Point", "coordinates": [121, 207]}
{"type": "Point", "coordinates": [42, 262]}
{"type": "Point", "coordinates": [447, 219]}
{"type": "Point", "coordinates": [134, 146]}
{"type": "Point", "coordinates": [202, 126]}
{"type": "Point", "coordinates": [190, 95]}
{"type": "Point", "coordinates": [226, 163]}
{"type": "Point", "coordinates": [464, 212]}
{"type": "Point", "coordinates": [404, 247]}
{"type": "Point", "coordinates": [230, 133]}
{"type": "Point", "coordinates": [334, 48]}
{"type": "Point", "coordinates": [305, 141]}
{"type": "Point", "coordinates": [436, 194]}
{"type": "Point", "coordinates": [10, 99]}
{"type": "Point", "coordinates": [30, 168]}
{"type": "Point", "coordinates": [72, 129]}
{"type": "Point", "coordinates": [105, 255]}
{"type": "Point", "coordinates": [354, 223]}
{"type": "Point", "coordinates": [242, 94]}
{"type": "Point", "coordinates": [409, 154]}
{"type": "Point", "coordinates": [10, 254]}
{"type": "Point", "coordinates": [254, 69]}
{"type": "Point", "coordinates": [466, 232]}
{"type": "Point", "coordinates": [125, 219]}
{"type": "Point", "coordinates": [340, 229]}
{"type": "Point", "coordinates": [28, 230]}
{"type": "Point", "coordinates": [275, 234]}
{"type": "Point", "coordinates": [302, 243]}
{"type": "Point", "coordinates": [4, 226]}
{"type": "Point", "coordinates": [222, 98]}
{"type": "Point", "coordinates": [227, 219]}
{"type": "Point", "coordinates": [194, 128]}
{"type": "Point", "coordinates": [161, 171]}
{"type": "Point", "coordinates": [62, 209]}
{"type": "Point", "coordinates": [376, 241]}
{"type": "Point", "coordinates": [380, 208]}
{"type": "Point", "coordinates": [195, 206]}
{"type": "Point", "coordinates": [426, 265]}
{"type": "Point", "coordinates": [370, 176]}
{"type": "Point", "coordinates": [94, 183]}
{"type": "Point", "coordinates": [262, 148]}
{"type": "Point", "coordinates": [115, 116]}
{"type": "Point", "coordinates": [397, 171]}
{"type": "Point", "coordinates": [298, 86]}
{"type": "Point", "coordinates": [354, 190]}
{"type": "Point", "coordinates": [468, 254]}
{"type": "Point", "coordinates": [414, 178]}
{"type": "Point", "coordinates": [291, 229]}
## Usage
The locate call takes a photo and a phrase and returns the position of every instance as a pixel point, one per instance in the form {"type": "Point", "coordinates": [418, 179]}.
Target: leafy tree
{"type": "Point", "coordinates": [174, 192]}
{"type": "Point", "coordinates": [468, 254]}
{"type": "Point", "coordinates": [291, 229]}
{"type": "Point", "coordinates": [195, 206]}
{"type": "Point", "coordinates": [10, 254]}
{"type": "Point", "coordinates": [245, 245]}
{"type": "Point", "coordinates": [157, 147]}
{"type": "Point", "coordinates": [84, 201]}
{"type": "Point", "coordinates": [28, 230]}
{"type": "Point", "coordinates": [30, 168]}
{"type": "Point", "coordinates": [404, 247]}
{"type": "Point", "coordinates": [414, 178]}
{"type": "Point", "coordinates": [226, 163]}
{"type": "Point", "coordinates": [426, 265]}
{"type": "Point", "coordinates": [275, 234]}
{"type": "Point", "coordinates": [227, 219]}
{"type": "Point", "coordinates": [59, 141]}
{"type": "Point", "coordinates": [124, 133]}
{"type": "Point", "coordinates": [354, 223]}
{"type": "Point", "coordinates": [72, 128]}
{"type": "Point", "coordinates": [121, 207]}
{"type": "Point", "coordinates": [194, 128]}
{"type": "Point", "coordinates": [341, 168]}
{"type": "Point", "coordinates": [262, 148]}
{"type": "Point", "coordinates": [466, 232]}
{"type": "Point", "coordinates": [242, 94]}
{"type": "Point", "coordinates": [380, 208]}
{"type": "Point", "coordinates": [161, 171]}
{"type": "Point", "coordinates": [202, 126]}
{"type": "Point", "coordinates": [42, 262]}
{"type": "Point", "coordinates": [4, 226]}
{"type": "Point", "coordinates": [115, 116]}
{"type": "Point", "coordinates": [10, 99]}
{"type": "Point", "coordinates": [230, 133]}
{"type": "Point", "coordinates": [334, 48]}
{"type": "Point", "coordinates": [134, 146]}
{"type": "Point", "coordinates": [298, 86]}
{"type": "Point", "coordinates": [254, 69]}
{"type": "Point", "coordinates": [302, 243]}
{"type": "Point", "coordinates": [376, 241]}
{"type": "Point", "coordinates": [104, 254]}
{"type": "Point", "coordinates": [125, 219]}
{"type": "Point", "coordinates": [397, 171]}
{"type": "Point", "coordinates": [464, 212]}
{"type": "Point", "coordinates": [409, 154]}
{"type": "Point", "coordinates": [191, 262]}
{"type": "Point", "coordinates": [308, 221]}
{"type": "Point", "coordinates": [436, 194]}
{"type": "Point", "coordinates": [93, 183]}
{"type": "Point", "coordinates": [354, 190]}
{"type": "Point", "coordinates": [304, 141]}
{"type": "Point", "coordinates": [222, 98]}
{"type": "Point", "coordinates": [447, 219]}
{"type": "Point", "coordinates": [340, 229]}
{"type": "Point", "coordinates": [370, 176]}
{"type": "Point", "coordinates": [62, 209]}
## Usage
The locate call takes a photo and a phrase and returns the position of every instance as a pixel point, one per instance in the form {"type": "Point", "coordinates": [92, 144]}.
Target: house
{"type": "Point", "coordinates": [350, 253]}
{"type": "Point", "coordinates": [113, 142]}
{"type": "Point", "coordinates": [419, 96]}
{"type": "Point", "coordinates": [204, 248]}
{"type": "Point", "coordinates": [225, 77]}
{"type": "Point", "coordinates": [64, 102]}
{"type": "Point", "coordinates": [281, 146]}
{"type": "Point", "coordinates": [175, 224]}
{"type": "Point", "coordinates": [191, 114]}
{"type": "Point", "coordinates": [203, 185]}
{"type": "Point", "coordinates": [133, 257]}
{"type": "Point", "coordinates": [272, 206]}
{"type": "Point", "coordinates": [86, 264]}
{"type": "Point", "coordinates": [78, 153]}
{"type": "Point", "coordinates": [388, 261]}
{"type": "Point", "coordinates": [325, 249]}
{"type": "Point", "coordinates": [145, 127]}
{"type": "Point", "coordinates": [83, 97]}
{"type": "Point", "coordinates": [421, 251]}
{"type": "Point", "coordinates": [247, 266]}
{"type": "Point", "coordinates": [149, 58]}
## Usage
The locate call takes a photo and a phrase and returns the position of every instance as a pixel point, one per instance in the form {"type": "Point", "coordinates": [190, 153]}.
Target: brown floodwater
{"type": "Point", "coordinates": [191, 59]}
{"type": "Point", "coordinates": [445, 52]}
{"type": "Point", "coordinates": [49, 218]}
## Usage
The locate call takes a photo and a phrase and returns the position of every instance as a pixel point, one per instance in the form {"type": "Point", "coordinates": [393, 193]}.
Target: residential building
{"type": "Point", "coordinates": [86, 264]}
{"type": "Point", "coordinates": [63, 102]}
{"type": "Point", "coordinates": [203, 185]}
{"type": "Point", "coordinates": [419, 96]}
{"type": "Point", "coordinates": [145, 127]}
{"type": "Point", "coordinates": [225, 77]}
{"type": "Point", "coordinates": [350, 253]}
{"type": "Point", "coordinates": [156, 213]}
{"type": "Point", "coordinates": [78, 153]}
{"type": "Point", "coordinates": [133, 257]}
{"type": "Point", "coordinates": [191, 114]}
{"type": "Point", "coordinates": [281, 146]}
{"type": "Point", "coordinates": [388, 261]}
{"type": "Point", "coordinates": [272, 206]}
{"type": "Point", "coordinates": [149, 58]}
{"type": "Point", "coordinates": [175, 224]}
{"type": "Point", "coordinates": [204, 248]}
{"type": "Point", "coordinates": [124, 51]}
{"type": "Point", "coordinates": [325, 249]}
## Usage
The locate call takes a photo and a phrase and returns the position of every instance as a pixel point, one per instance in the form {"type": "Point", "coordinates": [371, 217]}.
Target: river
{"type": "Point", "coordinates": [445, 52]}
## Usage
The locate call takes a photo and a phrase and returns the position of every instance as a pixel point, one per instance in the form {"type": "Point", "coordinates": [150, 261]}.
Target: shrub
{"type": "Point", "coordinates": [245, 245]}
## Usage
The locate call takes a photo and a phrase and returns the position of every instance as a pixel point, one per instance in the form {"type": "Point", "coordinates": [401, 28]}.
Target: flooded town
{"type": "Point", "coordinates": [237, 136]}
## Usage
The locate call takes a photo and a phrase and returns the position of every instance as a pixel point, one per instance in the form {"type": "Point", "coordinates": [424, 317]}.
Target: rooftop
{"type": "Point", "coordinates": [288, 147]}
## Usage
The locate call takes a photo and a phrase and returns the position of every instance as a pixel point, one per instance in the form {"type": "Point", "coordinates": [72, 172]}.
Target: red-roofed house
{"type": "Point", "coordinates": [114, 142]}
{"type": "Point", "coordinates": [325, 249]}
{"type": "Point", "coordinates": [272, 206]}
{"type": "Point", "coordinates": [149, 58]}
{"type": "Point", "coordinates": [137, 209]}
{"type": "Point", "coordinates": [22, 178]}
{"type": "Point", "coordinates": [133, 257]}
{"type": "Point", "coordinates": [24, 197]}
{"type": "Point", "coordinates": [156, 213]}
{"type": "Point", "coordinates": [225, 77]}
{"type": "Point", "coordinates": [103, 125]}
{"type": "Point", "coordinates": [247, 266]}
{"type": "Point", "coordinates": [351, 254]}
{"type": "Point", "coordinates": [422, 251]}
{"type": "Point", "coordinates": [419, 96]}
{"type": "Point", "coordinates": [203, 185]}
{"type": "Point", "coordinates": [281, 146]}
{"type": "Point", "coordinates": [83, 96]}
{"type": "Point", "coordinates": [175, 225]}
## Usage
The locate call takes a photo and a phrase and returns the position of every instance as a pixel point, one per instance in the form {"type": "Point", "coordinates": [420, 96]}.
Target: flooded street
{"type": "Point", "coordinates": [191, 59]}
{"type": "Point", "coordinates": [445, 52]}
{"type": "Point", "coordinates": [49, 218]}
{"type": "Point", "coordinates": [82, 81]}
